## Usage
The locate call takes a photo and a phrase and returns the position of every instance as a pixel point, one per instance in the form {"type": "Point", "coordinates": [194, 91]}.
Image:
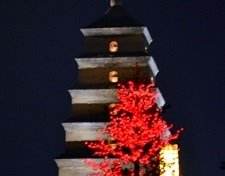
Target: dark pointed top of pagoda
{"type": "Point", "coordinates": [115, 2]}
{"type": "Point", "coordinates": [116, 16]}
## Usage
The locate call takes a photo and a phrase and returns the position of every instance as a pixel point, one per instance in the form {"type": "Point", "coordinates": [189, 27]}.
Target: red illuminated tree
{"type": "Point", "coordinates": [137, 132]}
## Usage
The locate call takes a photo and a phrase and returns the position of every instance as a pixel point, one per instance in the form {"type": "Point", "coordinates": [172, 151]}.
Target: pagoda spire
{"type": "Point", "coordinates": [115, 3]}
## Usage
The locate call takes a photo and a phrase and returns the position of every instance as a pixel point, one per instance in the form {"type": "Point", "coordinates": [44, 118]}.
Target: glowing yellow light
{"type": "Point", "coordinates": [113, 76]}
{"type": "Point", "coordinates": [112, 142]}
{"type": "Point", "coordinates": [111, 108]}
{"type": "Point", "coordinates": [146, 49]}
{"type": "Point", "coordinates": [113, 46]}
{"type": "Point", "coordinates": [170, 161]}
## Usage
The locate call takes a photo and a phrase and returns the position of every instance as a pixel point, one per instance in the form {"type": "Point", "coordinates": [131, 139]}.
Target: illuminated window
{"type": "Point", "coordinates": [170, 161]}
{"type": "Point", "coordinates": [113, 47]}
{"type": "Point", "coordinates": [112, 106]}
{"type": "Point", "coordinates": [113, 76]}
{"type": "Point", "coordinates": [112, 142]}
{"type": "Point", "coordinates": [112, 109]}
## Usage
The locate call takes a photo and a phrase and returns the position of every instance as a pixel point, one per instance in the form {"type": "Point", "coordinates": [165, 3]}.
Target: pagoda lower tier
{"type": "Point", "coordinates": [76, 166]}
{"type": "Point", "coordinates": [88, 104]}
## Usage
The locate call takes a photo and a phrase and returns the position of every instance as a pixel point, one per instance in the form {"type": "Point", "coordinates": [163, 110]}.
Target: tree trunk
{"type": "Point", "coordinates": [136, 169]}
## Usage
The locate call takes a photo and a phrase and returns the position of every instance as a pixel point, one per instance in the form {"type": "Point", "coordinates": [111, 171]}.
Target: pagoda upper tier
{"type": "Point", "coordinates": [117, 26]}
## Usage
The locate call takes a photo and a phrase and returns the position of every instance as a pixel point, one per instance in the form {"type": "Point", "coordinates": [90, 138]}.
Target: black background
{"type": "Point", "coordinates": [39, 41]}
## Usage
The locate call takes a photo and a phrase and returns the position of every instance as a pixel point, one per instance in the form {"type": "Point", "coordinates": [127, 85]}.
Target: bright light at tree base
{"type": "Point", "coordinates": [170, 159]}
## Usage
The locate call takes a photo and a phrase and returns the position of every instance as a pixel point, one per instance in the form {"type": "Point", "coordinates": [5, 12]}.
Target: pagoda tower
{"type": "Point", "coordinates": [115, 45]}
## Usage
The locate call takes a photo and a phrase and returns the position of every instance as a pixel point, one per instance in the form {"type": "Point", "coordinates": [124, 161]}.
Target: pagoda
{"type": "Point", "coordinates": [115, 45]}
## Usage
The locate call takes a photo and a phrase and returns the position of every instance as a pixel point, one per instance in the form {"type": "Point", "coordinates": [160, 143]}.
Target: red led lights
{"type": "Point", "coordinates": [138, 131]}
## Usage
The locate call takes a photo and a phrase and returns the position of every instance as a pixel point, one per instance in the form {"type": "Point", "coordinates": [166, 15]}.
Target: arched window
{"type": "Point", "coordinates": [113, 76]}
{"type": "Point", "coordinates": [113, 46]}
{"type": "Point", "coordinates": [112, 106]}
{"type": "Point", "coordinates": [112, 109]}
{"type": "Point", "coordinates": [112, 142]}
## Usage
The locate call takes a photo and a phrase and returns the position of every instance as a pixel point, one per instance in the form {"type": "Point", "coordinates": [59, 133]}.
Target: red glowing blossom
{"type": "Point", "coordinates": [136, 133]}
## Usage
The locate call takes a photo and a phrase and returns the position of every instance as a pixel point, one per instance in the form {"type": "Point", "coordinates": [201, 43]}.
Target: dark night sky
{"type": "Point", "coordinates": [39, 40]}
